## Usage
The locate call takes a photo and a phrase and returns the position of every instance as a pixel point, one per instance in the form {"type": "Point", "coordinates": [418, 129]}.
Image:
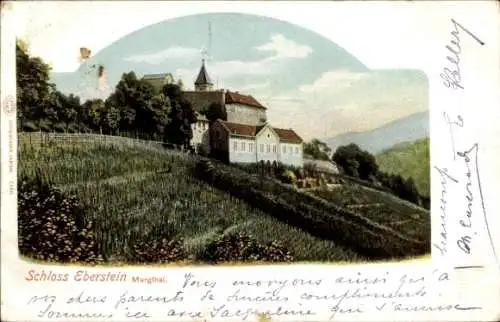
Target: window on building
{"type": "Point", "coordinates": [268, 148]}
{"type": "Point", "coordinates": [274, 148]}
{"type": "Point", "coordinates": [284, 149]}
{"type": "Point", "coordinates": [262, 148]}
{"type": "Point", "coordinates": [290, 150]}
{"type": "Point", "coordinates": [243, 147]}
{"type": "Point", "coordinates": [250, 147]}
{"type": "Point", "coordinates": [235, 146]}
{"type": "Point", "coordinates": [296, 150]}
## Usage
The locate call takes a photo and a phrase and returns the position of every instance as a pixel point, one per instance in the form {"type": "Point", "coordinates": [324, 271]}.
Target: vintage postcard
{"type": "Point", "coordinates": [250, 161]}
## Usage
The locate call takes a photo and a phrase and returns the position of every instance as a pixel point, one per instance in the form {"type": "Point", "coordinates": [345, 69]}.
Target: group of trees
{"type": "Point", "coordinates": [361, 164]}
{"type": "Point", "coordinates": [134, 108]}
{"type": "Point", "coordinates": [358, 163]}
{"type": "Point", "coordinates": [317, 150]}
{"type": "Point", "coordinates": [40, 104]}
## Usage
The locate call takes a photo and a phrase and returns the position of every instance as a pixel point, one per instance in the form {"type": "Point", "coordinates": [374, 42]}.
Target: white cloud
{"type": "Point", "coordinates": [225, 71]}
{"type": "Point", "coordinates": [255, 86]}
{"type": "Point", "coordinates": [174, 53]}
{"type": "Point", "coordinates": [340, 101]}
{"type": "Point", "coordinates": [285, 48]}
{"type": "Point", "coordinates": [335, 80]}
{"type": "Point", "coordinates": [278, 46]}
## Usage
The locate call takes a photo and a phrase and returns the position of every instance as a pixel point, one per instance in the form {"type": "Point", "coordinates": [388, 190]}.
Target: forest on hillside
{"type": "Point", "coordinates": [134, 108]}
{"type": "Point", "coordinates": [410, 160]}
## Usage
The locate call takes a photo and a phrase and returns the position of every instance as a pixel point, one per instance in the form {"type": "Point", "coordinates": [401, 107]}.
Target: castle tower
{"type": "Point", "coordinates": [203, 82]}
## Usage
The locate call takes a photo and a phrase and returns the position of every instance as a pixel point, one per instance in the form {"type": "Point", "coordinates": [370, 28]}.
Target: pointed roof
{"type": "Point", "coordinates": [203, 78]}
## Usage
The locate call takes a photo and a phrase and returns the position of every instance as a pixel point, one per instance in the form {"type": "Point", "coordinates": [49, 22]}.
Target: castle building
{"type": "Point", "coordinates": [158, 80]}
{"type": "Point", "coordinates": [246, 136]}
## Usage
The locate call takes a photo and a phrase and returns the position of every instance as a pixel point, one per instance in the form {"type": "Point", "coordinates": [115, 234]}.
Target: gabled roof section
{"type": "Point", "coordinates": [203, 78]}
{"type": "Point", "coordinates": [237, 98]}
{"type": "Point", "coordinates": [288, 135]}
{"type": "Point", "coordinates": [285, 135]}
{"type": "Point", "coordinates": [241, 129]}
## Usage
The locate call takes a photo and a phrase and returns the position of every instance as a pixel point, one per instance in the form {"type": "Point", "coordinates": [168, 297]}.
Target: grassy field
{"type": "Point", "coordinates": [383, 208]}
{"type": "Point", "coordinates": [133, 193]}
{"type": "Point", "coordinates": [410, 159]}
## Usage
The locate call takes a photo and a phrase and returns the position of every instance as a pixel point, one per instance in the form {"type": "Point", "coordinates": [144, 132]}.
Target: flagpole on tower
{"type": "Point", "coordinates": [209, 45]}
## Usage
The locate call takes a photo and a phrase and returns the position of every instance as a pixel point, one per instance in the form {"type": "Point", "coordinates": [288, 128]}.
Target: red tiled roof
{"type": "Point", "coordinates": [252, 130]}
{"type": "Point", "coordinates": [241, 129]}
{"type": "Point", "coordinates": [288, 135]}
{"type": "Point", "coordinates": [237, 98]}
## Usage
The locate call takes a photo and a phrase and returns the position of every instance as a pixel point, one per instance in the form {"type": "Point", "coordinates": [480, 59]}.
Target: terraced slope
{"type": "Point", "coordinates": [133, 192]}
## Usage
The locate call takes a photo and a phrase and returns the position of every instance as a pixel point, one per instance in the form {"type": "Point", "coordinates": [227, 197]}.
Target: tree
{"type": "Point", "coordinates": [141, 110]}
{"type": "Point", "coordinates": [141, 102]}
{"type": "Point", "coordinates": [34, 101]}
{"type": "Point", "coordinates": [355, 162]}
{"type": "Point", "coordinates": [317, 150]}
{"type": "Point", "coordinates": [215, 111]}
{"type": "Point", "coordinates": [181, 115]}
{"type": "Point", "coordinates": [110, 119]}
{"type": "Point", "coordinates": [125, 99]}
{"type": "Point", "coordinates": [160, 105]}
{"type": "Point", "coordinates": [95, 114]}
{"type": "Point", "coordinates": [410, 191]}
{"type": "Point", "coordinates": [70, 114]}
{"type": "Point", "coordinates": [63, 111]}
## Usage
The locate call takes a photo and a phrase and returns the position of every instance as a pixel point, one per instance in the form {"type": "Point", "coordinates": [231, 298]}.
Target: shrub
{"type": "Point", "coordinates": [310, 170]}
{"type": "Point", "coordinates": [300, 173]}
{"type": "Point", "coordinates": [51, 226]}
{"type": "Point", "coordinates": [158, 251]}
{"type": "Point", "coordinates": [288, 177]}
{"type": "Point", "coordinates": [241, 247]}
{"type": "Point", "coordinates": [30, 126]}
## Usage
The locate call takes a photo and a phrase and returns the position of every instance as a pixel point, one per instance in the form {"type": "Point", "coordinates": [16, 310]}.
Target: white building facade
{"type": "Point", "coordinates": [251, 144]}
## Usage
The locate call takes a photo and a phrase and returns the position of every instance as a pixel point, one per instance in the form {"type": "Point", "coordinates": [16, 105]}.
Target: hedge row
{"type": "Point", "coordinates": [313, 214]}
{"type": "Point", "coordinates": [241, 248]}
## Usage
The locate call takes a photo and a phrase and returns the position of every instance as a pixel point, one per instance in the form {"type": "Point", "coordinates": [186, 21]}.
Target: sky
{"type": "Point", "coordinates": [310, 81]}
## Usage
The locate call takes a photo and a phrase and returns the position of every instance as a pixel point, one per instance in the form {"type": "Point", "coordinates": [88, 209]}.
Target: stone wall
{"type": "Point", "coordinates": [237, 113]}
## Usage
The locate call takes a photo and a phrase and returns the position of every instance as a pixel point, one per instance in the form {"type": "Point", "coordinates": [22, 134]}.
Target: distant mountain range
{"type": "Point", "coordinates": [406, 129]}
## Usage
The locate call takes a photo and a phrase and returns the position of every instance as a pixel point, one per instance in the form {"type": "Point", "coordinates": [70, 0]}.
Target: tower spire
{"type": "Point", "coordinates": [203, 81]}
